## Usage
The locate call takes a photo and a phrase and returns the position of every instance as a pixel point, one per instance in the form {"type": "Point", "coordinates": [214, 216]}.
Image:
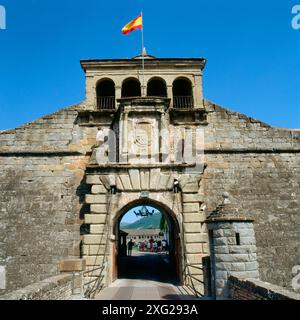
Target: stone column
{"type": "Point", "coordinates": [124, 138]}
{"type": "Point", "coordinates": [198, 95]}
{"type": "Point", "coordinates": [170, 94]}
{"type": "Point", "coordinates": [90, 92]}
{"type": "Point", "coordinates": [164, 140]}
{"type": "Point", "coordinates": [118, 92]}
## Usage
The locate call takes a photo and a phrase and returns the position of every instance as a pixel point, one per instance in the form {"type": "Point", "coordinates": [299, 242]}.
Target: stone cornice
{"type": "Point", "coordinates": [197, 63]}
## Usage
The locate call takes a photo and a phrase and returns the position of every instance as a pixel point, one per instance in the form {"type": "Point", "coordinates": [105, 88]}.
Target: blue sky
{"type": "Point", "coordinates": [130, 216]}
{"type": "Point", "coordinates": [252, 51]}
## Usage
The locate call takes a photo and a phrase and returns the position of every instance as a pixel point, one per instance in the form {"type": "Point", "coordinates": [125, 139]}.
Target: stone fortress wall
{"type": "Point", "coordinates": [43, 190]}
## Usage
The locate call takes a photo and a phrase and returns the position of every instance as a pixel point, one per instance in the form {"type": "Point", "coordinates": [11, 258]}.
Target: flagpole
{"type": "Point", "coordinates": [143, 58]}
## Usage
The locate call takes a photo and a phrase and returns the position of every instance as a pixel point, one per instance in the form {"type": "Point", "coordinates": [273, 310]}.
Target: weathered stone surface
{"type": "Point", "coordinates": [221, 249]}
{"type": "Point", "coordinates": [46, 170]}
{"type": "Point", "coordinates": [190, 187]}
{"type": "Point", "coordinates": [92, 239]}
{"type": "Point", "coordinates": [97, 228]}
{"type": "Point", "coordinates": [59, 287]}
{"type": "Point", "coordinates": [125, 182]}
{"type": "Point", "coordinates": [135, 179]}
{"type": "Point", "coordinates": [192, 227]}
{"type": "Point", "coordinates": [93, 179]}
{"type": "Point", "coordinates": [94, 260]}
{"type": "Point", "coordinates": [98, 208]}
{"type": "Point", "coordinates": [99, 189]}
{"type": "Point", "coordinates": [193, 217]}
{"type": "Point", "coordinates": [145, 175]}
{"type": "Point", "coordinates": [92, 198]}
{"type": "Point", "coordinates": [2, 278]}
{"type": "Point", "coordinates": [154, 178]}
{"type": "Point", "coordinates": [72, 265]}
{"type": "Point", "coordinates": [194, 258]}
{"type": "Point", "coordinates": [196, 237]}
{"type": "Point", "coordinates": [95, 218]}
{"type": "Point", "coordinates": [194, 248]}
{"type": "Point", "coordinates": [250, 289]}
{"type": "Point", "coordinates": [191, 207]}
{"type": "Point", "coordinates": [97, 250]}
{"type": "Point", "coordinates": [192, 197]}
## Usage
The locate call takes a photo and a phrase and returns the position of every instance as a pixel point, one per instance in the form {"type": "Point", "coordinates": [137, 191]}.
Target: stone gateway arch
{"type": "Point", "coordinates": [226, 182]}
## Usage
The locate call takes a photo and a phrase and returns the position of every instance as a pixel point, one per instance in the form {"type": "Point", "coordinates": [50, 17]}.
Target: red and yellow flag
{"type": "Point", "coordinates": [134, 24]}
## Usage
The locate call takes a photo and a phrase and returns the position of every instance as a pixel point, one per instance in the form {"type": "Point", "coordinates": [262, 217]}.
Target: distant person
{"type": "Point", "coordinates": [143, 246]}
{"type": "Point", "coordinates": [155, 246]}
{"type": "Point", "coordinates": [129, 246]}
{"type": "Point", "coordinates": [151, 241]}
{"type": "Point", "coordinates": [158, 245]}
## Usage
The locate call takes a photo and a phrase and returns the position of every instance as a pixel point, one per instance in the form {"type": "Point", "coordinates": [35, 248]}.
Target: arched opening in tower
{"type": "Point", "coordinates": [131, 88]}
{"type": "Point", "coordinates": [147, 245]}
{"type": "Point", "coordinates": [105, 94]}
{"type": "Point", "coordinates": [156, 88]}
{"type": "Point", "coordinates": [182, 94]}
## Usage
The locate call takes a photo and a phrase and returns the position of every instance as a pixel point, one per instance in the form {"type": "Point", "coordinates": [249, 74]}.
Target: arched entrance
{"type": "Point", "coordinates": [150, 263]}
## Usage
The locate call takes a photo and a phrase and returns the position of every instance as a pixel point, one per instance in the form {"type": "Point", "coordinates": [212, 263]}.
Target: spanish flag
{"type": "Point", "coordinates": [134, 24]}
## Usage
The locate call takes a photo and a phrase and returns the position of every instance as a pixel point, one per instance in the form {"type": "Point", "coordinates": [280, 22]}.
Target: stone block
{"type": "Point", "coordinates": [251, 266]}
{"type": "Point", "coordinates": [191, 207]}
{"type": "Point", "coordinates": [99, 189]}
{"type": "Point", "coordinates": [95, 250]}
{"type": "Point", "coordinates": [193, 248]}
{"type": "Point", "coordinates": [219, 233]}
{"type": "Point", "coordinates": [196, 270]}
{"type": "Point", "coordinates": [135, 179]}
{"type": "Point", "coordinates": [232, 257]}
{"type": "Point", "coordinates": [220, 241]}
{"type": "Point", "coordinates": [252, 274]}
{"type": "Point", "coordinates": [98, 208]}
{"type": "Point", "coordinates": [238, 274]}
{"type": "Point", "coordinates": [221, 249]}
{"type": "Point", "coordinates": [190, 187]}
{"type": "Point", "coordinates": [70, 265]}
{"type": "Point", "coordinates": [205, 247]}
{"type": "Point", "coordinates": [221, 275]}
{"type": "Point", "coordinates": [92, 239]}
{"type": "Point", "coordinates": [242, 249]}
{"type": "Point", "coordinates": [145, 174]}
{"type": "Point", "coordinates": [192, 197]}
{"type": "Point", "coordinates": [95, 218]}
{"type": "Point", "coordinates": [94, 260]}
{"type": "Point", "coordinates": [193, 258]}
{"type": "Point", "coordinates": [246, 233]}
{"type": "Point", "coordinates": [95, 198]}
{"type": "Point", "coordinates": [247, 240]}
{"type": "Point", "coordinates": [228, 233]}
{"type": "Point", "coordinates": [2, 277]}
{"type": "Point", "coordinates": [220, 283]}
{"type": "Point", "coordinates": [242, 225]}
{"type": "Point", "coordinates": [193, 217]}
{"type": "Point", "coordinates": [237, 266]}
{"type": "Point", "coordinates": [154, 178]}
{"type": "Point", "coordinates": [196, 237]}
{"type": "Point", "coordinates": [231, 240]}
{"type": "Point", "coordinates": [125, 181]}
{"type": "Point", "coordinates": [97, 228]}
{"type": "Point", "coordinates": [192, 227]}
{"type": "Point", "coordinates": [93, 179]}
{"type": "Point", "coordinates": [163, 181]}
